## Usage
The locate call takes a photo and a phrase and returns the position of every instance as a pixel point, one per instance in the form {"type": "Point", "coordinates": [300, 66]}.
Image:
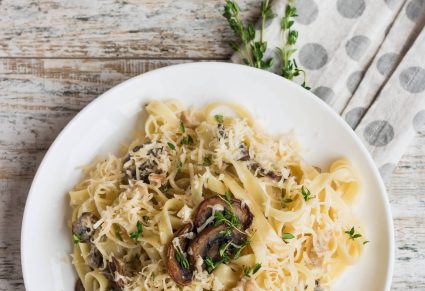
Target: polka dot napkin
{"type": "Point", "coordinates": [365, 59]}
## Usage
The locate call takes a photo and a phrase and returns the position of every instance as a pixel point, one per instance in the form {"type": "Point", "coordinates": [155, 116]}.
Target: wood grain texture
{"type": "Point", "coordinates": [39, 96]}
{"type": "Point", "coordinates": [116, 28]}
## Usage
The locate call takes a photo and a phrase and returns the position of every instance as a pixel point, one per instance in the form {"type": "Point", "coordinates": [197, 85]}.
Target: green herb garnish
{"type": "Point", "coordinates": [247, 271]}
{"type": "Point", "coordinates": [284, 201]}
{"type": "Point", "coordinates": [171, 146]}
{"type": "Point", "coordinates": [76, 238]}
{"type": "Point", "coordinates": [228, 196]}
{"type": "Point", "coordinates": [187, 140]}
{"type": "Point", "coordinates": [182, 128]}
{"type": "Point", "coordinates": [179, 166]}
{"type": "Point", "coordinates": [352, 233]}
{"type": "Point", "coordinates": [136, 234]}
{"type": "Point", "coordinates": [210, 264]}
{"type": "Point", "coordinates": [207, 162]}
{"type": "Point", "coordinates": [227, 217]}
{"type": "Point", "coordinates": [223, 248]}
{"type": "Point", "coordinates": [181, 258]}
{"type": "Point", "coordinates": [240, 248]}
{"type": "Point", "coordinates": [306, 193]}
{"type": "Point", "coordinates": [219, 118]}
{"type": "Point", "coordinates": [287, 235]}
{"type": "Point", "coordinates": [164, 188]}
{"type": "Point", "coordinates": [289, 68]}
{"type": "Point", "coordinates": [366, 242]}
{"type": "Point", "coordinates": [256, 267]}
{"type": "Point", "coordinates": [252, 51]}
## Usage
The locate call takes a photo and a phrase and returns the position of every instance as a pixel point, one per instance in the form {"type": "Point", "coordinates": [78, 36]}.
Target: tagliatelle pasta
{"type": "Point", "coordinates": [127, 210]}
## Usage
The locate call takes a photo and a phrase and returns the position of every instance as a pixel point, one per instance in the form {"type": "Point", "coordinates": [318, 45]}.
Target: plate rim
{"type": "Point", "coordinates": [377, 177]}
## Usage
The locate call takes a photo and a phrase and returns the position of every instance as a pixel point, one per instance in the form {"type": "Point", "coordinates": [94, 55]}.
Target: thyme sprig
{"type": "Point", "coordinates": [353, 234]}
{"type": "Point", "coordinates": [181, 258]}
{"type": "Point", "coordinates": [247, 271]}
{"type": "Point", "coordinates": [136, 234]}
{"type": "Point", "coordinates": [227, 217]}
{"type": "Point", "coordinates": [289, 67]}
{"type": "Point", "coordinates": [306, 193]}
{"type": "Point", "coordinates": [252, 51]}
{"type": "Point", "coordinates": [76, 238]}
{"type": "Point", "coordinates": [283, 200]}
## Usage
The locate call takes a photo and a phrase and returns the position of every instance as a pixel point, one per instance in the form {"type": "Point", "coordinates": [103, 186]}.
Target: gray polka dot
{"type": "Point", "coordinates": [414, 9]}
{"type": "Point", "coordinates": [325, 93]}
{"type": "Point", "coordinates": [313, 56]}
{"type": "Point", "coordinates": [386, 63]}
{"type": "Point", "coordinates": [354, 115]}
{"type": "Point", "coordinates": [353, 81]}
{"type": "Point", "coordinates": [386, 171]}
{"type": "Point", "coordinates": [307, 11]}
{"type": "Point", "coordinates": [351, 8]}
{"type": "Point", "coordinates": [413, 79]}
{"type": "Point", "coordinates": [392, 3]}
{"type": "Point", "coordinates": [379, 133]}
{"type": "Point", "coordinates": [357, 46]}
{"type": "Point", "coordinates": [419, 122]}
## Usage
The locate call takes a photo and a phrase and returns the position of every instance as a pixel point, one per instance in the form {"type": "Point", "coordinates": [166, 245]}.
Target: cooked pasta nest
{"type": "Point", "coordinates": [136, 217]}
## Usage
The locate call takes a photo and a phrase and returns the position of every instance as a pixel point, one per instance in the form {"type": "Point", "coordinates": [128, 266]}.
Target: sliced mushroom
{"type": "Point", "coordinates": [264, 172]}
{"type": "Point", "coordinates": [114, 266]}
{"type": "Point", "coordinates": [83, 226]}
{"type": "Point", "coordinates": [181, 275]}
{"type": "Point", "coordinates": [147, 167]}
{"type": "Point", "coordinates": [205, 210]}
{"type": "Point", "coordinates": [207, 243]}
{"type": "Point", "coordinates": [79, 285]}
{"type": "Point", "coordinates": [317, 286]}
{"type": "Point", "coordinates": [221, 133]}
{"type": "Point", "coordinates": [95, 258]}
{"type": "Point", "coordinates": [243, 154]}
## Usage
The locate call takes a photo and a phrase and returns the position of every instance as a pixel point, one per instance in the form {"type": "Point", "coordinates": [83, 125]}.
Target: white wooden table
{"type": "Point", "coordinates": [57, 56]}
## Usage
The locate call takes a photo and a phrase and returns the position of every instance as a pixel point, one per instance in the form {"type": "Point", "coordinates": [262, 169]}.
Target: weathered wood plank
{"type": "Point", "coordinates": [12, 201]}
{"type": "Point", "coordinates": [111, 29]}
{"type": "Point", "coordinates": [39, 96]}
{"type": "Point", "coordinates": [29, 85]}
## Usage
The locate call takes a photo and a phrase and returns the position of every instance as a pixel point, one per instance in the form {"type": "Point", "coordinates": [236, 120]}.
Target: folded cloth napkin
{"type": "Point", "coordinates": [366, 59]}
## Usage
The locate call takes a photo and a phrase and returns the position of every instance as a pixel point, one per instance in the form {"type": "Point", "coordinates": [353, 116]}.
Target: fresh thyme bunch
{"type": "Point", "coordinates": [252, 51]}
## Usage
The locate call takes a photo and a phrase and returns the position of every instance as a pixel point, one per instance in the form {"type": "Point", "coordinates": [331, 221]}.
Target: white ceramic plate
{"type": "Point", "coordinates": [107, 121]}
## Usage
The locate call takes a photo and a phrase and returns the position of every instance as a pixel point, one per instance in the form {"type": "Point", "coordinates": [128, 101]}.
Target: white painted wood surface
{"type": "Point", "coordinates": [56, 56]}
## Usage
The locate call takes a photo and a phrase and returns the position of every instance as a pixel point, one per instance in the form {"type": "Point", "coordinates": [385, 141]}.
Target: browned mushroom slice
{"type": "Point", "coordinates": [182, 275]}
{"type": "Point", "coordinates": [207, 243]}
{"type": "Point", "coordinates": [114, 266]}
{"type": "Point", "coordinates": [205, 210]}
{"type": "Point", "coordinates": [83, 226]}
{"type": "Point", "coordinates": [95, 258]}
{"type": "Point", "coordinates": [264, 172]}
{"type": "Point", "coordinates": [221, 132]}
{"type": "Point", "coordinates": [243, 154]}
{"type": "Point", "coordinates": [147, 167]}
{"type": "Point", "coordinates": [79, 285]}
